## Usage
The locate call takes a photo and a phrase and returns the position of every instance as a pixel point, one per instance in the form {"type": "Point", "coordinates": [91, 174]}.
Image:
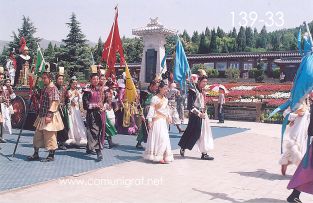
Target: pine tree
{"type": "Point", "coordinates": [195, 37]}
{"type": "Point", "coordinates": [27, 31]}
{"type": "Point", "coordinates": [49, 54]}
{"type": "Point", "coordinates": [262, 39]}
{"type": "Point", "coordinates": [97, 53]}
{"type": "Point", "coordinates": [220, 33]}
{"type": "Point", "coordinates": [241, 39]}
{"type": "Point", "coordinates": [203, 45]}
{"type": "Point", "coordinates": [225, 48]}
{"type": "Point", "coordinates": [4, 56]}
{"type": "Point", "coordinates": [133, 48]}
{"type": "Point", "coordinates": [207, 33]}
{"type": "Point", "coordinates": [249, 37]}
{"type": "Point", "coordinates": [185, 36]}
{"type": "Point", "coordinates": [275, 41]}
{"type": "Point", "coordinates": [213, 43]}
{"type": "Point", "coordinates": [75, 54]}
{"type": "Point", "coordinates": [234, 33]}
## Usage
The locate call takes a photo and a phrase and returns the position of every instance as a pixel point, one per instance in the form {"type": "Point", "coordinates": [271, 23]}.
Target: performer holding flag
{"type": "Point", "coordinates": [198, 130]}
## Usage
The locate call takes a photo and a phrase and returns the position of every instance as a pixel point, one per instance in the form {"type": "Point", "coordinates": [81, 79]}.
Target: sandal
{"type": "Point", "coordinates": [33, 158]}
{"type": "Point", "coordinates": [48, 159]}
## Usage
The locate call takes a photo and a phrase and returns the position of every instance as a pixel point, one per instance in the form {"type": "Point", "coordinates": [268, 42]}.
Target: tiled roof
{"type": "Point", "coordinates": [153, 29]}
{"type": "Point", "coordinates": [285, 61]}
{"type": "Point", "coordinates": [244, 55]}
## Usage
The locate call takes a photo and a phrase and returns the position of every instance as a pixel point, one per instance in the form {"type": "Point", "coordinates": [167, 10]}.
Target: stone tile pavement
{"type": "Point", "coordinates": [245, 169]}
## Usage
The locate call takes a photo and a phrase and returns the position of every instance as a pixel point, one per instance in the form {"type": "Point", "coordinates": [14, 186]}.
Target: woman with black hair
{"type": "Point", "coordinates": [198, 130]}
{"type": "Point", "coordinates": [77, 131]}
{"type": "Point", "coordinates": [93, 103]}
{"type": "Point", "coordinates": [158, 147]}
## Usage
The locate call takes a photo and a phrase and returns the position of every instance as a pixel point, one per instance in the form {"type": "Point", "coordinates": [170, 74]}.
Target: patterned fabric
{"type": "Point", "coordinates": [172, 94]}
{"type": "Point", "coordinates": [62, 92]}
{"type": "Point", "coordinates": [49, 94]}
{"type": "Point", "coordinates": [95, 98]}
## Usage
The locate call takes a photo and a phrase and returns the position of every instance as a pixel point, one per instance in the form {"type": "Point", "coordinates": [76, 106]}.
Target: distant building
{"type": "Point", "coordinates": [287, 61]}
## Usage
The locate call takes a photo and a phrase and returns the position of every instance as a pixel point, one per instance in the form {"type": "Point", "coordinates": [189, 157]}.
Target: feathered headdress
{"type": "Point", "coordinates": [22, 44]}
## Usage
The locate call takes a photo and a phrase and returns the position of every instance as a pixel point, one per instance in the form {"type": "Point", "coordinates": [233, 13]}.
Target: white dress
{"type": "Point", "coordinates": [158, 144]}
{"type": "Point", "coordinates": [295, 138]}
{"type": "Point", "coordinates": [110, 114]}
{"type": "Point", "coordinates": [77, 132]}
{"type": "Point", "coordinates": [205, 143]}
{"type": "Point", "coordinates": [6, 111]}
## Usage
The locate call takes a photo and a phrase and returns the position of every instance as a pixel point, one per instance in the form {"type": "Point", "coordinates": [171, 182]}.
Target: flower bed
{"type": "Point", "coordinates": [272, 95]}
{"type": "Point", "coordinates": [274, 88]}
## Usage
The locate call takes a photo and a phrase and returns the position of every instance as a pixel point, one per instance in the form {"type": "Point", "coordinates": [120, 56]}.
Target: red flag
{"type": "Point", "coordinates": [112, 45]}
{"type": "Point", "coordinates": [22, 44]}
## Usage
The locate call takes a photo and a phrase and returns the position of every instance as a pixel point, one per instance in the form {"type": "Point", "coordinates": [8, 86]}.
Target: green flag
{"type": "Point", "coordinates": [40, 68]}
{"type": "Point", "coordinates": [40, 63]}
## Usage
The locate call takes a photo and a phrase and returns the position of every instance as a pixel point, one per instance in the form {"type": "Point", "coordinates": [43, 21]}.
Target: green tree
{"type": "Point", "coordinates": [261, 41]}
{"type": "Point", "coordinates": [195, 37]}
{"type": "Point", "coordinates": [170, 44]}
{"type": "Point", "coordinates": [234, 33]}
{"type": "Point", "coordinates": [203, 45]}
{"type": "Point", "coordinates": [213, 48]}
{"type": "Point", "coordinates": [220, 33]}
{"type": "Point", "coordinates": [289, 41]}
{"type": "Point", "coordinates": [97, 53]}
{"type": "Point", "coordinates": [4, 56]}
{"type": "Point", "coordinates": [75, 54]}
{"type": "Point", "coordinates": [275, 41]}
{"type": "Point", "coordinates": [49, 54]}
{"type": "Point", "coordinates": [27, 31]}
{"type": "Point", "coordinates": [207, 33]}
{"type": "Point", "coordinates": [241, 39]}
{"type": "Point", "coordinates": [133, 48]}
{"type": "Point", "coordinates": [185, 36]}
{"type": "Point", "coordinates": [249, 37]}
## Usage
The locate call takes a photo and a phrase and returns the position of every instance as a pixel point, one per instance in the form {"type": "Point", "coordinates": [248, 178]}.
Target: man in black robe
{"type": "Point", "coordinates": [22, 60]}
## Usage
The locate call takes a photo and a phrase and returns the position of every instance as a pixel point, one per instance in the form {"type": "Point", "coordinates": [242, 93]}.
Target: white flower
{"type": "Point", "coordinates": [243, 88]}
{"type": "Point", "coordinates": [279, 95]}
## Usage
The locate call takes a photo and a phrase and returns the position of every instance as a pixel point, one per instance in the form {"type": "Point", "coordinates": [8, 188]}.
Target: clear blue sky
{"type": "Point", "coordinates": [96, 16]}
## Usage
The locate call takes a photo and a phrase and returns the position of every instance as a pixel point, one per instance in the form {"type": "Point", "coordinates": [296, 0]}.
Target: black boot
{"type": "Point", "coordinates": [294, 197]}
{"type": "Point", "coordinates": [179, 129]}
{"type": "Point", "coordinates": [50, 157]}
{"type": "Point", "coordinates": [206, 157]}
{"type": "Point", "coordinates": [139, 146]}
{"type": "Point", "coordinates": [182, 152]}
{"type": "Point", "coordinates": [2, 140]}
{"type": "Point", "coordinates": [1, 135]}
{"type": "Point", "coordinates": [99, 155]}
{"type": "Point", "coordinates": [35, 156]}
{"type": "Point", "coordinates": [111, 144]}
{"type": "Point", "coordinates": [61, 146]}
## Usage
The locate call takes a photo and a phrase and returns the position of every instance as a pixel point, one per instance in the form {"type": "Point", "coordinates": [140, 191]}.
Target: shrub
{"type": "Point", "coordinates": [259, 73]}
{"type": "Point", "coordinates": [276, 73]}
{"type": "Point", "coordinates": [212, 73]}
{"type": "Point", "coordinates": [233, 74]}
{"type": "Point", "coordinates": [196, 67]}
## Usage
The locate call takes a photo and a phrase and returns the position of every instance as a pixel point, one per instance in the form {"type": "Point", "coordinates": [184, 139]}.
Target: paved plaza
{"type": "Point", "coordinates": [245, 169]}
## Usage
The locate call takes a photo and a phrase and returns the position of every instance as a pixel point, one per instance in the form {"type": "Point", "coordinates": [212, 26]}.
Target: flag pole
{"type": "Point", "coordinates": [309, 33]}
{"type": "Point", "coordinates": [113, 28]}
{"type": "Point", "coordinates": [27, 110]}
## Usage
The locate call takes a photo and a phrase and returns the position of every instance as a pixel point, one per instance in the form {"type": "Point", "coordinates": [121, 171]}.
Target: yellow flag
{"type": "Point", "coordinates": [130, 88]}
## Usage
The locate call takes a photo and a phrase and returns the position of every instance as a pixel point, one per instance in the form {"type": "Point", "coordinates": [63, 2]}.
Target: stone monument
{"type": "Point", "coordinates": [153, 52]}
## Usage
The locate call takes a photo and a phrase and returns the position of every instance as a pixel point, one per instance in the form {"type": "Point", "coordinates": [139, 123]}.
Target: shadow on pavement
{"type": "Point", "coordinates": [223, 196]}
{"type": "Point", "coordinates": [263, 174]}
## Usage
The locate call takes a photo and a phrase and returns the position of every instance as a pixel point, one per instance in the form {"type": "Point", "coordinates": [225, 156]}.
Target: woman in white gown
{"type": "Point", "coordinates": [158, 147]}
{"type": "Point", "coordinates": [77, 133]}
{"type": "Point", "coordinates": [295, 138]}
